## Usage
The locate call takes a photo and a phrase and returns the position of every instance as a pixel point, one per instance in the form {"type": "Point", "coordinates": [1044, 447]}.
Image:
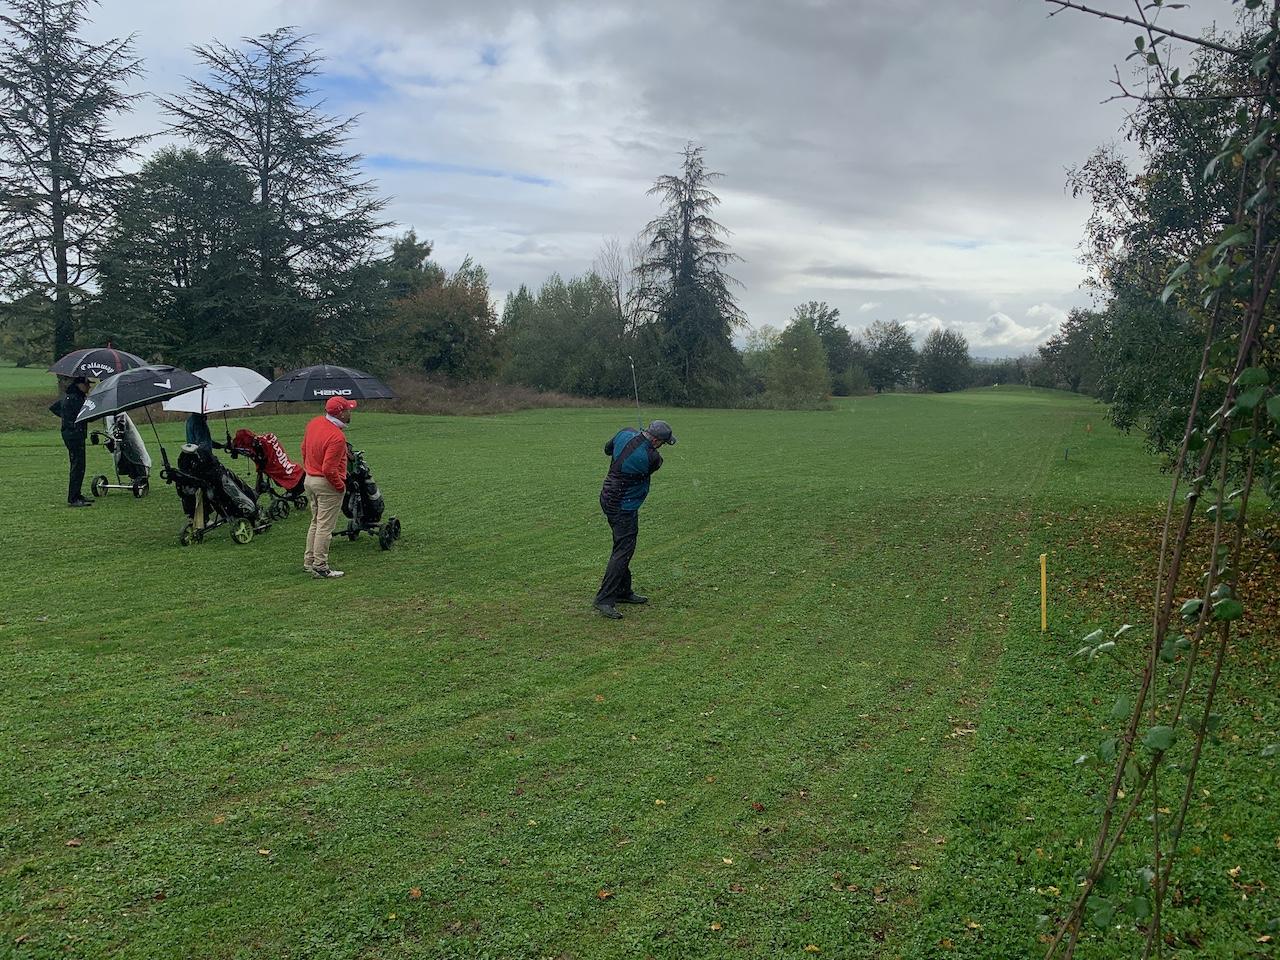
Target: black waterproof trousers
{"type": "Point", "coordinates": [616, 584]}
{"type": "Point", "coordinates": [75, 451]}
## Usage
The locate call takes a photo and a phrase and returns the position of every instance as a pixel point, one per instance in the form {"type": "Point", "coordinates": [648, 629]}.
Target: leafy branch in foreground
{"type": "Point", "coordinates": [1225, 287]}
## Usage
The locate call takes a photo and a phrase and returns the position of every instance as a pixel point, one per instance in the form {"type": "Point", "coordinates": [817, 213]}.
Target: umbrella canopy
{"type": "Point", "coordinates": [229, 388]}
{"type": "Point", "coordinates": [96, 363]}
{"type": "Point", "coordinates": [325, 381]}
{"type": "Point", "coordinates": [137, 388]}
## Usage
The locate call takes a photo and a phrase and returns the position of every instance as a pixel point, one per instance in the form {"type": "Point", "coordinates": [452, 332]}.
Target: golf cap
{"type": "Point", "coordinates": [661, 430]}
{"type": "Point", "coordinates": [335, 405]}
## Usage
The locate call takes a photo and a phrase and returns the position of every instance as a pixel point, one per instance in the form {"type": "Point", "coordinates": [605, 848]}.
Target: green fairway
{"type": "Point", "coordinates": [26, 380]}
{"type": "Point", "coordinates": [836, 728]}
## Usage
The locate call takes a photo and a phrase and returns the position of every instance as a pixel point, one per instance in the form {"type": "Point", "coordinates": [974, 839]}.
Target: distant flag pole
{"type": "Point", "coordinates": [1044, 593]}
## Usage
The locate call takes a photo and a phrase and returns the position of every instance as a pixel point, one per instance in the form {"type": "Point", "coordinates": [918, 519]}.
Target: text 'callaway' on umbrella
{"type": "Point", "coordinates": [96, 363]}
{"type": "Point", "coordinates": [325, 381]}
{"type": "Point", "coordinates": [137, 388]}
{"type": "Point", "coordinates": [229, 388]}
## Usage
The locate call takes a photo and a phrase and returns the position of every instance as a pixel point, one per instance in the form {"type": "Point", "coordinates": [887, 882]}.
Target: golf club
{"type": "Point", "coordinates": [636, 386]}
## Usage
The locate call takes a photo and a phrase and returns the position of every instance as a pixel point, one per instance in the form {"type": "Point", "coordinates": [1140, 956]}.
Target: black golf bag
{"type": "Point", "coordinates": [128, 454]}
{"type": "Point", "coordinates": [363, 505]}
{"type": "Point", "coordinates": [213, 495]}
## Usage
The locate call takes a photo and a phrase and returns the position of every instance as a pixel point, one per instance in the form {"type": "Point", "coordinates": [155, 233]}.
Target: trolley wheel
{"type": "Point", "coordinates": [98, 487]}
{"type": "Point", "coordinates": [353, 531]}
{"type": "Point", "coordinates": [282, 509]}
{"type": "Point", "coordinates": [394, 523]}
{"type": "Point", "coordinates": [187, 536]}
{"type": "Point", "coordinates": [242, 532]}
{"type": "Point", "coordinates": [139, 489]}
{"type": "Point", "coordinates": [385, 537]}
{"type": "Point", "coordinates": [273, 511]}
{"type": "Point", "coordinates": [302, 502]}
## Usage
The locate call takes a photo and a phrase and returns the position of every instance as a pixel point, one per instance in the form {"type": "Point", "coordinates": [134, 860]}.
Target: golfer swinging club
{"type": "Point", "coordinates": [634, 458]}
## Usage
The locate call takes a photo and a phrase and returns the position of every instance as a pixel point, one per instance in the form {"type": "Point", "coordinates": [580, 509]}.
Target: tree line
{"type": "Point", "coordinates": [256, 241]}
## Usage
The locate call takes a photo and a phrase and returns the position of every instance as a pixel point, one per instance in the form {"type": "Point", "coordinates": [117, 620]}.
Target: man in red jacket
{"type": "Point", "coordinates": [324, 458]}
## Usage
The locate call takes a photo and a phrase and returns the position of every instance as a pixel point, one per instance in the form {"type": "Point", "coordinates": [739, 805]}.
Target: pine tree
{"type": "Point", "coordinates": [316, 226]}
{"type": "Point", "coordinates": [685, 292]}
{"type": "Point", "coordinates": [59, 157]}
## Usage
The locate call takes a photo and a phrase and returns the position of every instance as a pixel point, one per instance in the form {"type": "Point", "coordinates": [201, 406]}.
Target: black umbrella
{"type": "Point", "coordinates": [137, 388]}
{"type": "Point", "coordinates": [96, 363]}
{"type": "Point", "coordinates": [322, 382]}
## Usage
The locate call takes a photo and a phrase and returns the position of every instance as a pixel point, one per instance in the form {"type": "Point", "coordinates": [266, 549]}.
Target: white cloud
{"type": "Point", "coordinates": [564, 111]}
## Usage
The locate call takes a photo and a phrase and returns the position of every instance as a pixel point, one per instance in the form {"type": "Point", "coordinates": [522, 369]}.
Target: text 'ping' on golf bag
{"type": "Point", "coordinates": [275, 470]}
{"type": "Point", "coordinates": [128, 454]}
{"type": "Point", "coordinates": [363, 505]}
{"type": "Point", "coordinates": [213, 495]}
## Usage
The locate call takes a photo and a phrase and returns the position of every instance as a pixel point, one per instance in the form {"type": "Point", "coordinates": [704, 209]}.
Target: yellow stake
{"type": "Point", "coordinates": [1044, 593]}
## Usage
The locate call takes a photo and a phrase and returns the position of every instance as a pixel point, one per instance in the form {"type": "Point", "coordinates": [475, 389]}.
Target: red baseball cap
{"type": "Point", "coordinates": [335, 405]}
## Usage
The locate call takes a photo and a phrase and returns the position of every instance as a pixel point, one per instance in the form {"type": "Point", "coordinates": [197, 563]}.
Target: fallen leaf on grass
{"type": "Point", "coordinates": [219, 819]}
{"type": "Point", "coordinates": [946, 943]}
{"type": "Point", "coordinates": [604, 894]}
{"type": "Point", "coordinates": [263, 851]}
{"type": "Point", "coordinates": [972, 925]}
{"type": "Point", "coordinates": [717, 926]}
{"type": "Point", "coordinates": [916, 866]}
{"type": "Point", "coordinates": [74, 843]}
{"type": "Point", "coordinates": [1234, 872]}
{"type": "Point", "coordinates": [757, 806]}
{"type": "Point", "coordinates": [415, 893]}
{"type": "Point", "coordinates": [659, 803]}
{"type": "Point", "coordinates": [599, 698]}
{"type": "Point", "coordinates": [728, 860]}
{"type": "Point", "coordinates": [813, 948]}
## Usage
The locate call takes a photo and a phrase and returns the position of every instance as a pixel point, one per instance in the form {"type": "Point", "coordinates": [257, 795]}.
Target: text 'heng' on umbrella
{"type": "Point", "coordinates": [323, 381]}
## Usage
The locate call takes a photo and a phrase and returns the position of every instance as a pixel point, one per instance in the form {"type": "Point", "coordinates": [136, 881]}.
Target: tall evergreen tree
{"type": "Point", "coordinates": [316, 220]}
{"type": "Point", "coordinates": [685, 291]}
{"type": "Point", "coordinates": [59, 156]}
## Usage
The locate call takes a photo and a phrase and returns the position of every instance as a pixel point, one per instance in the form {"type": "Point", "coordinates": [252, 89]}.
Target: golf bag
{"type": "Point", "coordinates": [274, 469]}
{"type": "Point", "coordinates": [363, 505]}
{"type": "Point", "coordinates": [128, 454]}
{"type": "Point", "coordinates": [213, 495]}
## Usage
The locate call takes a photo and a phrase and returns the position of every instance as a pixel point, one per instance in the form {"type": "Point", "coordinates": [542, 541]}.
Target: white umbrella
{"type": "Point", "coordinates": [230, 388]}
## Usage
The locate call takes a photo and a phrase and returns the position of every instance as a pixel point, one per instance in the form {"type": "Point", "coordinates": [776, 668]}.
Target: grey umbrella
{"type": "Point", "coordinates": [137, 388]}
{"type": "Point", "coordinates": [322, 382]}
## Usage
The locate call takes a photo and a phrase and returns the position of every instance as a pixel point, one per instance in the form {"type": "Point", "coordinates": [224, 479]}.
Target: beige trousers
{"type": "Point", "coordinates": [326, 502]}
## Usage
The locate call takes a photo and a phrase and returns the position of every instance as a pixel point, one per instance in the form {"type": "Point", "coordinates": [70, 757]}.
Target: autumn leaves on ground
{"type": "Point", "coordinates": [836, 731]}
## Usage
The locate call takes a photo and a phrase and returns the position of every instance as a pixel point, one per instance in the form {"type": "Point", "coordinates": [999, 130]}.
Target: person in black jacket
{"type": "Point", "coordinates": [73, 435]}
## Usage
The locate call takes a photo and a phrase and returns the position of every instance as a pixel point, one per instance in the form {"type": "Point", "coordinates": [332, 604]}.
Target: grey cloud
{"type": "Point", "coordinates": [842, 128]}
{"type": "Point", "coordinates": [852, 271]}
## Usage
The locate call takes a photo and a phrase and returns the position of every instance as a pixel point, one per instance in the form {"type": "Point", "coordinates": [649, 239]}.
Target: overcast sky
{"type": "Point", "coordinates": [897, 158]}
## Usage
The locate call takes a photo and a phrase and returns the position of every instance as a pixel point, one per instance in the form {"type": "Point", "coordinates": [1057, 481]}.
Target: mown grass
{"type": "Point", "coordinates": [837, 726]}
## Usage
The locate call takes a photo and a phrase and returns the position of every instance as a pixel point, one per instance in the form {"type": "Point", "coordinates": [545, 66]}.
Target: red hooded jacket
{"type": "Point", "coordinates": [324, 452]}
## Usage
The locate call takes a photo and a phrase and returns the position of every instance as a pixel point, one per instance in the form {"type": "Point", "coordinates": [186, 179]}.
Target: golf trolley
{"type": "Point", "coordinates": [213, 496]}
{"type": "Point", "coordinates": [273, 468]}
{"type": "Point", "coordinates": [363, 505]}
{"type": "Point", "coordinates": [128, 454]}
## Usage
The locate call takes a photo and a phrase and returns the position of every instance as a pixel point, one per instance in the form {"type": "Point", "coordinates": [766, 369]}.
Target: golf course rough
{"type": "Point", "coordinates": [836, 730]}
